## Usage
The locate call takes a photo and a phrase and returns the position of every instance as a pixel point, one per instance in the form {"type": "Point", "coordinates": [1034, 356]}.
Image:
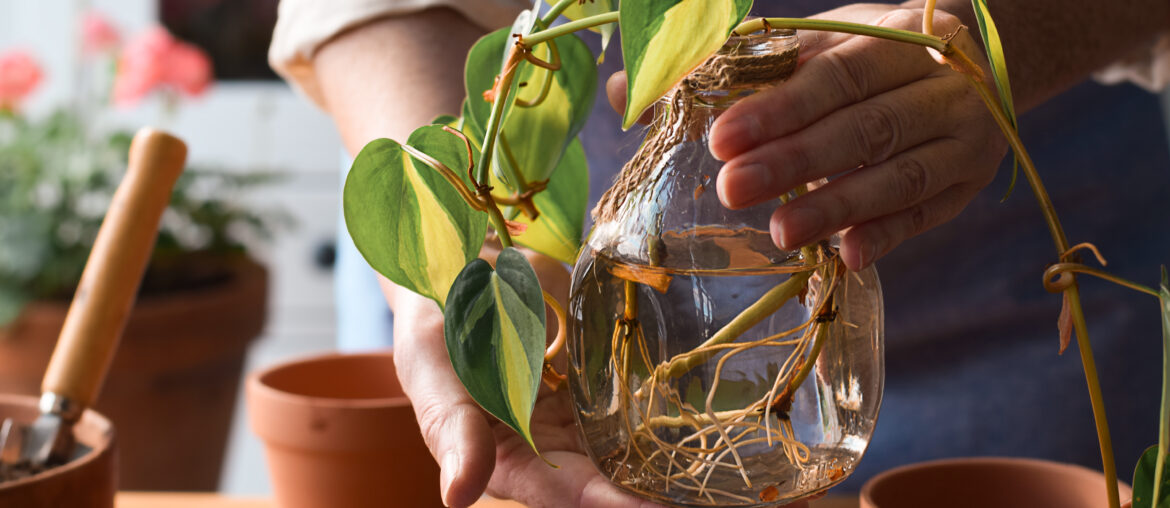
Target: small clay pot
{"type": "Point", "coordinates": [172, 387]}
{"type": "Point", "coordinates": [338, 431]}
{"type": "Point", "coordinates": [989, 482]}
{"type": "Point", "coordinates": [86, 482]}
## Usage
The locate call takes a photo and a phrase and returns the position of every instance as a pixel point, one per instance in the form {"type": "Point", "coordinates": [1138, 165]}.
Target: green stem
{"type": "Point", "coordinates": [751, 316]}
{"type": "Point", "coordinates": [1163, 417]}
{"type": "Point", "coordinates": [556, 11]}
{"type": "Point", "coordinates": [491, 132]}
{"type": "Point", "coordinates": [535, 38]}
{"type": "Point", "coordinates": [1084, 346]}
{"type": "Point", "coordinates": [806, 368]}
{"type": "Point", "coordinates": [1060, 268]}
{"type": "Point", "coordinates": [496, 218]}
{"type": "Point", "coordinates": [892, 34]}
{"type": "Point", "coordinates": [502, 87]}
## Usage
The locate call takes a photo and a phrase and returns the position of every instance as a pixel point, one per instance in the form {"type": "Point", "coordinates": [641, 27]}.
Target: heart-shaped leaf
{"type": "Point", "coordinates": [408, 222]}
{"type": "Point", "coordinates": [494, 328]}
{"type": "Point", "coordinates": [557, 231]}
{"type": "Point", "coordinates": [534, 137]}
{"type": "Point", "coordinates": [663, 40]}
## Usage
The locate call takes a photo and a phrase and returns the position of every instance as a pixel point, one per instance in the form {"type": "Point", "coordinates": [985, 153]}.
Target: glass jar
{"type": "Point", "coordinates": [707, 366]}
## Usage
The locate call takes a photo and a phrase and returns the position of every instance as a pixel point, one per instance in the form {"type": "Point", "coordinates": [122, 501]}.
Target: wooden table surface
{"type": "Point", "coordinates": [183, 500]}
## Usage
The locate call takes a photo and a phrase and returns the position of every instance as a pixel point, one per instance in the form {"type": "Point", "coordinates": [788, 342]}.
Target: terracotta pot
{"type": "Point", "coordinates": [338, 431]}
{"type": "Point", "coordinates": [86, 482]}
{"type": "Point", "coordinates": [989, 482]}
{"type": "Point", "coordinates": [172, 387]}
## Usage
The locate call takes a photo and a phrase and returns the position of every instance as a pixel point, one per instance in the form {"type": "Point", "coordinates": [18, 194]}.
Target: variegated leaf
{"type": "Point", "coordinates": [494, 329]}
{"type": "Point", "coordinates": [534, 138]}
{"type": "Point", "coordinates": [663, 40]}
{"type": "Point", "coordinates": [593, 8]}
{"type": "Point", "coordinates": [408, 222]}
{"type": "Point", "coordinates": [557, 231]}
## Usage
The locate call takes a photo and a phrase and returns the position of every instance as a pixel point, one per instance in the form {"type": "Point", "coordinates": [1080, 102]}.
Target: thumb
{"type": "Point", "coordinates": [454, 428]}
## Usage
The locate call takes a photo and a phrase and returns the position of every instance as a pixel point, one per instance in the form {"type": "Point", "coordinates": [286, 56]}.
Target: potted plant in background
{"type": "Point", "coordinates": [173, 384]}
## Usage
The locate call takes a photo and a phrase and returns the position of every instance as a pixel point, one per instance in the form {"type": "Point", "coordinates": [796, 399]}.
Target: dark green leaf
{"type": "Point", "coordinates": [494, 326]}
{"type": "Point", "coordinates": [448, 120]}
{"type": "Point", "coordinates": [1143, 481]}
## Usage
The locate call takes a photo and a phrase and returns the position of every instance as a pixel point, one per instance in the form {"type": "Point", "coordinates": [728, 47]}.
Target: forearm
{"type": "Point", "coordinates": [1050, 45]}
{"type": "Point", "coordinates": [386, 78]}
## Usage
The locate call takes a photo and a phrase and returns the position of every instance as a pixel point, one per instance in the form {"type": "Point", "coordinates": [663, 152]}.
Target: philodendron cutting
{"type": "Point", "coordinates": [419, 211]}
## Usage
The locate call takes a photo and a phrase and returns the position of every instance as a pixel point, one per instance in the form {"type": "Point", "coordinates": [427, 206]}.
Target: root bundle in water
{"type": "Point", "coordinates": [724, 387]}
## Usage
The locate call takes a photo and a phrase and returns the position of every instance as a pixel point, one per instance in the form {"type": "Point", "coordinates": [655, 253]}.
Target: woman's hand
{"type": "Point", "coordinates": [906, 142]}
{"type": "Point", "coordinates": [476, 451]}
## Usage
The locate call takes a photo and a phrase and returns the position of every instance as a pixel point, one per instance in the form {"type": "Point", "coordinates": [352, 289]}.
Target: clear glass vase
{"type": "Point", "coordinates": [707, 366]}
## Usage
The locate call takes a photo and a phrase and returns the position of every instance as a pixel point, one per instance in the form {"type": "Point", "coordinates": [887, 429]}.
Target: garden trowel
{"type": "Point", "coordinates": [100, 306]}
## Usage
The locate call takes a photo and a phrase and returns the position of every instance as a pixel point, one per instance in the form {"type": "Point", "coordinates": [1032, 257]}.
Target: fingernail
{"type": "Point", "coordinates": [735, 137]}
{"type": "Point", "coordinates": [799, 226]}
{"type": "Point", "coordinates": [739, 186]}
{"type": "Point", "coordinates": [450, 469]}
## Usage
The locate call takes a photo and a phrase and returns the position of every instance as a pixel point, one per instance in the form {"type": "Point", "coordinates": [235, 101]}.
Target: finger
{"type": "Point", "coordinates": [852, 71]}
{"type": "Point", "coordinates": [866, 194]}
{"type": "Point", "coordinates": [455, 430]}
{"type": "Point", "coordinates": [615, 90]}
{"type": "Point", "coordinates": [866, 133]}
{"type": "Point", "coordinates": [865, 243]}
{"type": "Point", "coordinates": [574, 484]}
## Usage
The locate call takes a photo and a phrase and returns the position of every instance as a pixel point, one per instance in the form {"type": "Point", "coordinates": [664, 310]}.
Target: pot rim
{"type": "Point", "coordinates": [257, 385]}
{"type": "Point", "coordinates": [89, 418]}
{"type": "Point", "coordinates": [984, 462]}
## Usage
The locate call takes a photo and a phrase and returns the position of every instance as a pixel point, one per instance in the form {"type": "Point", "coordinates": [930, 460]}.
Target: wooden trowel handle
{"type": "Point", "coordinates": [114, 270]}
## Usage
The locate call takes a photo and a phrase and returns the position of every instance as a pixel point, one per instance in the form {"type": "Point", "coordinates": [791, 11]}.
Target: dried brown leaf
{"type": "Point", "coordinates": [1064, 323]}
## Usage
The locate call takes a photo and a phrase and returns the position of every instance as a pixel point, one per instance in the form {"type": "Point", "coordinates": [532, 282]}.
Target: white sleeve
{"type": "Point", "coordinates": [1147, 67]}
{"type": "Point", "coordinates": [302, 26]}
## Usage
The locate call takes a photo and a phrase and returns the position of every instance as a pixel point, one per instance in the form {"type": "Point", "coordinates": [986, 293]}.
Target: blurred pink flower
{"type": "Point", "coordinates": [97, 34]}
{"type": "Point", "coordinates": [155, 59]}
{"type": "Point", "coordinates": [19, 76]}
{"type": "Point", "coordinates": [188, 68]}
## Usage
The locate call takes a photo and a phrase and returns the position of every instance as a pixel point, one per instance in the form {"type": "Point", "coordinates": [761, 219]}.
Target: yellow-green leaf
{"type": "Point", "coordinates": [663, 40]}
{"type": "Point", "coordinates": [408, 222]}
{"type": "Point", "coordinates": [591, 8]}
{"type": "Point", "coordinates": [494, 329]}
{"type": "Point", "coordinates": [533, 138]}
{"type": "Point", "coordinates": [557, 231]}
{"type": "Point", "coordinates": [994, 47]}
